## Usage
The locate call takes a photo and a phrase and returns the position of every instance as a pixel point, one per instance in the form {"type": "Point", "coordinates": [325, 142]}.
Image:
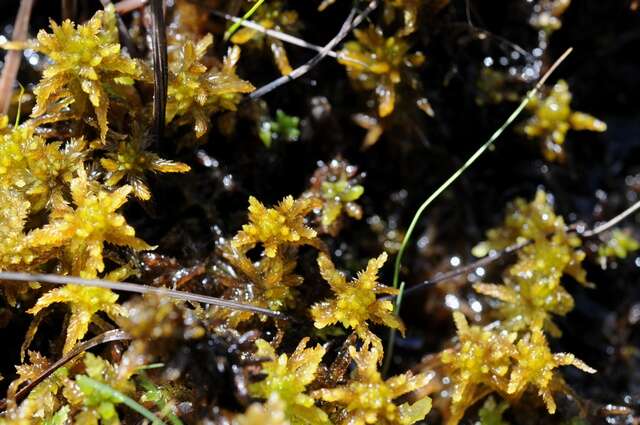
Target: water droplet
{"type": "Point", "coordinates": [452, 301]}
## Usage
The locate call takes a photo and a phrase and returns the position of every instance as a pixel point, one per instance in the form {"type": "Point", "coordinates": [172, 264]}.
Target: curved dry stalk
{"type": "Point", "coordinates": [138, 289]}
{"type": "Point", "coordinates": [109, 336]}
{"type": "Point", "coordinates": [13, 58]}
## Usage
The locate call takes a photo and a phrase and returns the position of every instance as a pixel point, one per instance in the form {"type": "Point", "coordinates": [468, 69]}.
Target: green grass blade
{"type": "Point", "coordinates": [120, 397]}
{"type": "Point", "coordinates": [482, 149]}
{"type": "Point", "coordinates": [235, 26]}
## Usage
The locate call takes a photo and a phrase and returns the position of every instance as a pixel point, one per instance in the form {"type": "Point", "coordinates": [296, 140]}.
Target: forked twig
{"type": "Point", "coordinates": [138, 289]}
{"type": "Point", "coordinates": [349, 24]}
{"type": "Point", "coordinates": [109, 336]}
{"type": "Point", "coordinates": [13, 58]}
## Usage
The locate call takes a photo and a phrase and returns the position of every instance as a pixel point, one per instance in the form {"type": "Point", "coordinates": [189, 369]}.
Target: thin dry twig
{"type": "Point", "coordinates": [109, 336]}
{"type": "Point", "coordinates": [349, 24]}
{"type": "Point", "coordinates": [609, 224]}
{"type": "Point", "coordinates": [13, 58]}
{"type": "Point", "coordinates": [282, 36]}
{"type": "Point", "coordinates": [139, 289]}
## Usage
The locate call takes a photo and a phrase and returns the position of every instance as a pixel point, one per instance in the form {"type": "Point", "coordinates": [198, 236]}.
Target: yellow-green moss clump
{"type": "Point", "coordinates": [532, 291]}
{"type": "Point", "coordinates": [278, 232]}
{"type": "Point", "coordinates": [355, 303]}
{"type": "Point", "coordinates": [288, 377]}
{"type": "Point", "coordinates": [370, 399]}
{"type": "Point", "coordinates": [493, 359]}
{"type": "Point", "coordinates": [336, 184]}
{"type": "Point", "coordinates": [552, 117]}
{"type": "Point", "coordinates": [378, 64]}
{"type": "Point", "coordinates": [87, 65]}
{"type": "Point", "coordinates": [82, 231]}
{"type": "Point", "coordinates": [63, 397]}
{"type": "Point", "coordinates": [618, 244]}
{"type": "Point", "coordinates": [130, 161]}
{"type": "Point", "coordinates": [511, 355]}
{"type": "Point", "coordinates": [195, 91]}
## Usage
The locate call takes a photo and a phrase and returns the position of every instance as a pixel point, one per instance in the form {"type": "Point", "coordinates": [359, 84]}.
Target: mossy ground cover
{"type": "Point", "coordinates": [299, 201]}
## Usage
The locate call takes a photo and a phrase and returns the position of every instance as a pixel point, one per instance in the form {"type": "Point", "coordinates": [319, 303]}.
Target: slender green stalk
{"type": "Point", "coordinates": [120, 397]}
{"type": "Point", "coordinates": [469, 162]}
{"type": "Point", "coordinates": [407, 237]}
{"type": "Point", "coordinates": [236, 25]}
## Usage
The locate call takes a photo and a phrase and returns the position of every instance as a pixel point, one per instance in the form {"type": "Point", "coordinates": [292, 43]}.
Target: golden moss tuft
{"type": "Point", "coordinates": [274, 227]}
{"type": "Point", "coordinates": [130, 160]}
{"type": "Point", "coordinates": [492, 359]}
{"type": "Point", "coordinates": [82, 231]}
{"type": "Point", "coordinates": [87, 65]}
{"type": "Point", "coordinates": [195, 91]}
{"type": "Point", "coordinates": [288, 377]}
{"type": "Point", "coordinates": [375, 63]}
{"type": "Point", "coordinates": [369, 399]}
{"type": "Point", "coordinates": [83, 303]}
{"type": "Point", "coordinates": [355, 302]}
{"type": "Point", "coordinates": [553, 118]}
{"type": "Point", "coordinates": [479, 364]}
{"type": "Point", "coordinates": [532, 289]}
{"type": "Point", "coordinates": [35, 168]}
{"type": "Point", "coordinates": [535, 364]}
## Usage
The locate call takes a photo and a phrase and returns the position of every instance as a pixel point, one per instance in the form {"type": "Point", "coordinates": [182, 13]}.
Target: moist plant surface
{"type": "Point", "coordinates": [234, 185]}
